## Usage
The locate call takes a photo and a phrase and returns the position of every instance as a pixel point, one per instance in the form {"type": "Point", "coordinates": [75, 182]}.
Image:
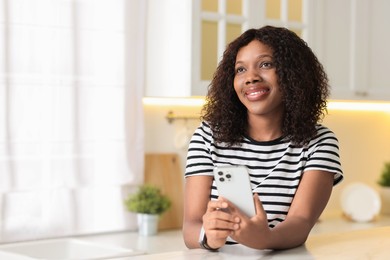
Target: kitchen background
{"type": "Point", "coordinates": [349, 38]}
{"type": "Point", "coordinates": [86, 86]}
{"type": "Point", "coordinates": [363, 138]}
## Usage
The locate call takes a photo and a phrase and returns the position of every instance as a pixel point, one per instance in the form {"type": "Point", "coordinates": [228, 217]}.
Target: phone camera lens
{"type": "Point", "coordinates": [228, 176]}
{"type": "Point", "coordinates": [221, 179]}
{"type": "Point", "coordinates": [220, 173]}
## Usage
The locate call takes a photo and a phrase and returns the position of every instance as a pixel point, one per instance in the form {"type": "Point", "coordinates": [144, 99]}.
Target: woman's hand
{"type": "Point", "coordinates": [252, 231]}
{"type": "Point", "coordinates": [219, 222]}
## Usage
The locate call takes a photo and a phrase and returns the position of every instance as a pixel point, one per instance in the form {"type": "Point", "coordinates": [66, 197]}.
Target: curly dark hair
{"type": "Point", "coordinates": [301, 77]}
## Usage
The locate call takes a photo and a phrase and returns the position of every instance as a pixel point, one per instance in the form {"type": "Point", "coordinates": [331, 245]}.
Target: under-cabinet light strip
{"type": "Point", "coordinates": [359, 106]}
{"type": "Point", "coordinates": [197, 101]}
{"type": "Point", "coordinates": [332, 105]}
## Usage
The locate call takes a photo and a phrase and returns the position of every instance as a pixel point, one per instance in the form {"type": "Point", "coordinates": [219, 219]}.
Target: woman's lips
{"type": "Point", "coordinates": [256, 94]}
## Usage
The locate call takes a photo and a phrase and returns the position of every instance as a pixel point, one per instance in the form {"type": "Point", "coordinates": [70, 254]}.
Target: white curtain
{"type": "Point", "coordinates": [71, 119]}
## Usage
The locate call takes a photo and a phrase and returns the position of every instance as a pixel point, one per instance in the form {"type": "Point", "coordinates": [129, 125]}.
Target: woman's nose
{"type": "Point", "coordinates": [252, 76]}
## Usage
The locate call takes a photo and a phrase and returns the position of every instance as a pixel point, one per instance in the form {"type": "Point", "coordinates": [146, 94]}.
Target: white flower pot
{"type": "Point", "coordinates": [147, 224]}
{"type": "Point", "coordinates": [385, 197]}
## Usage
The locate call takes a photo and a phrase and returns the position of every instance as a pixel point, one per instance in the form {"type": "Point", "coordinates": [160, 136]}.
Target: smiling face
{"type": "Point", "coordinates": [256, 82]}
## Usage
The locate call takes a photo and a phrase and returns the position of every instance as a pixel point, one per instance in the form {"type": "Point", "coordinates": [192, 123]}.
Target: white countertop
{"type": "Point", "coordinates": [370, 244]}
{"type": "Point", "coordinates": [164, 241]}
{"type": "Point", "coordinates": [329, 237]}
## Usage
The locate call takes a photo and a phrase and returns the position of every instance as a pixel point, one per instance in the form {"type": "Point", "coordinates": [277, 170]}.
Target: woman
{"type": "Point", "coordinates": [263, 110]}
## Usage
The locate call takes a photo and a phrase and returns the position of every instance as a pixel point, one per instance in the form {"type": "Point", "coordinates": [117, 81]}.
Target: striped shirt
{"type": "Point", "coordinates": [275, 167]}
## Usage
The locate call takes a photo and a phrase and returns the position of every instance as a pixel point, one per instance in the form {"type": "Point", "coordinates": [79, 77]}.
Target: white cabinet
{"type": "Point", "coordinates": [168, 48]}
{"type": "Point", "coordinates": [352, 40]}
{"type": "Point", "coordinates": [186, 38]}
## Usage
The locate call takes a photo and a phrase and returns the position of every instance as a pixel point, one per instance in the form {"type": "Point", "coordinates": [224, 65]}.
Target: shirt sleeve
{"type": "Point", "coordinates": [199, 159]}
{"type": "Point", "coordinates": [324, 154]}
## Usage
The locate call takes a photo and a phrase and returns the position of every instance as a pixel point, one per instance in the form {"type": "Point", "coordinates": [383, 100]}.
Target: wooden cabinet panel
{"type": "Point", "coordinates": [164, 171]}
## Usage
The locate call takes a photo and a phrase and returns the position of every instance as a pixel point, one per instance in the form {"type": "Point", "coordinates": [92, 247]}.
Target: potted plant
{"type": "Point", "coordinates": [384, 182]}
{"type": "Point", "coordinates": [149, 203]}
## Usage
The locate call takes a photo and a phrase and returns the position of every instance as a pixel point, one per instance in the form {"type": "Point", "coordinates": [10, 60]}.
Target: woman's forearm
{"type": "Point", "coordinates": [291, 233]}
{"type": "Point", "coordinates": [191, 231]}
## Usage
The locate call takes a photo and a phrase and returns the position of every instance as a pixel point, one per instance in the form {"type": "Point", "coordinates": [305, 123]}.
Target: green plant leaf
{"type": "Point", "coordinates": [148, 200]}
{"type": "Point", "coordinates": [384, 179]}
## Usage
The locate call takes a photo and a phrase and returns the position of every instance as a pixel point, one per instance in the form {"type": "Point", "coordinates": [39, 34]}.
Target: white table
{"type": "Point", "coordinates": [370, 244]}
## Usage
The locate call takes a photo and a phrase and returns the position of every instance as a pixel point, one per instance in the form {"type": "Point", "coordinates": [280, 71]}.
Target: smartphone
{"type": "Point", "coordinates": [233, 183]}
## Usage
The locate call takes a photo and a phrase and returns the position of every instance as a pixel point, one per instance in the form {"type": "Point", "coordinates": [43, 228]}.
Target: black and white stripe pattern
{"type": "Point", "coordinates": [275, 167]}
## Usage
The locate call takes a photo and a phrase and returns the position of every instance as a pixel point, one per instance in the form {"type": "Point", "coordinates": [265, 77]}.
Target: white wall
{"type": "Point", "coordinates": [364, 139]}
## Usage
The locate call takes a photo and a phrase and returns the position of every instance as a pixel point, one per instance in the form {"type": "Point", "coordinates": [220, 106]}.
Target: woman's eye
{"type": "Point", "coordinates": [239, 70]}
{"type": "Point", "coordinates": [266, 65]}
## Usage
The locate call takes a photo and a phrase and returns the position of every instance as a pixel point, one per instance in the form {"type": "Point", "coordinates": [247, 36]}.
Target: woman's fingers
{"type": "Point", "coordinates": [218, 216]}
{"type": "Point", "coordinates": [214, 205]}
{"type": "Point", "coordinates": [219, 224]}
{"type": "Point", "coordinates": [259, 206]}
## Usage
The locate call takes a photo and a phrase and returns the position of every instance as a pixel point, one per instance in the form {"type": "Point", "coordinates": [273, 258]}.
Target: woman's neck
{"type": "Point", "coordinates": [262, 128]}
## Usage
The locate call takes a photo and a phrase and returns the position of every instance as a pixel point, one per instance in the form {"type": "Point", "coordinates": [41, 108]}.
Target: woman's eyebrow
{"type": "Point", "coordinates": [262, 56]}
{"type": "Point", "coordinates": [265, 56]}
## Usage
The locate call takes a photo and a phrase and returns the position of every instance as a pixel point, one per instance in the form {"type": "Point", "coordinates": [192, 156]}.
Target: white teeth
{"type": "Point", "coordinates": [257, 92]}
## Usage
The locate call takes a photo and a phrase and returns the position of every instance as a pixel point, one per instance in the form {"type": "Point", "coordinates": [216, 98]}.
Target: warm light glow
{"type": "Point", "coordinates": [359, 106]}
{"type": "Point", "coordinates": [332, 105]}
{"type": "Point", "coordinates": [194, 101]}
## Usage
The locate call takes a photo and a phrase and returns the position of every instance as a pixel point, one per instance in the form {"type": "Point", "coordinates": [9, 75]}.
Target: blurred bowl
{"type": "Point", "coordinates": [360, 202]}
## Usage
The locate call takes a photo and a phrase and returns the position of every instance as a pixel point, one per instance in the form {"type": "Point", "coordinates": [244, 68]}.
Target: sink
{"type": "Point", "coordinates": [11, 256]}
{"type": "Point", "coordinates": [68, 248]}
